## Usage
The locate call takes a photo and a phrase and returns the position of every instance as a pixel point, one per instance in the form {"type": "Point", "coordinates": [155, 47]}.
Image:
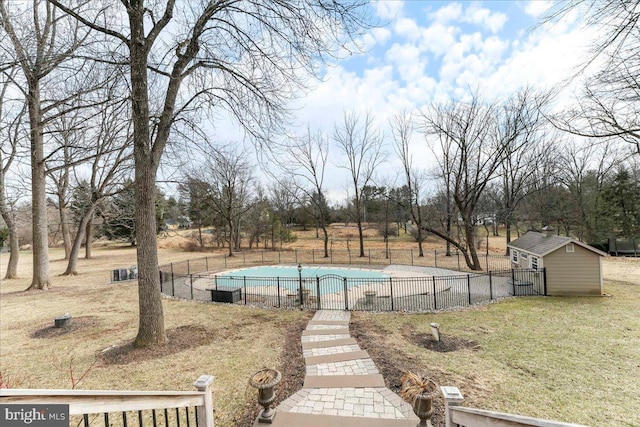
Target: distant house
{"type": "Point", "coordinates": [571, 267]}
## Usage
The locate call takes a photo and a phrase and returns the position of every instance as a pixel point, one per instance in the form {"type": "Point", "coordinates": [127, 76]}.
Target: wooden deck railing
{"type": "Point", "coordinates": [192, 407]}
{"type": "Point", "coordinates": [459, 416]}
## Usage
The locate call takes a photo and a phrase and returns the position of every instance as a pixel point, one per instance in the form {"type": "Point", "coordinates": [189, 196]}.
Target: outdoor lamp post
{"type": "Point", "coordinates": [300, 283]}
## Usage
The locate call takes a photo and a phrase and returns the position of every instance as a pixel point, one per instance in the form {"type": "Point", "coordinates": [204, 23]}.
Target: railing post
{"type": "Point", "coordinates": [205, 412]}
{"type": "Point", "coordinates": [244, 281]}
{"type": "Point", "coordinates": [318, 292]}
{"type": "Point", "coordinates": [278, 281]}
{"type": "Point", "coordinates": [346, 295]}
{"type": "Point", "coordinates": [391, 285]}
{"type": "Point", "coordinates": [172, 285]}
{"type": "Point", "coordinates": [544, 278]}
{"type": "Point", "coordinates": [452, 397]}
{"type": "Point", "coordinates": [490, 287]}
{"type": "Point", "coordinates": [435, 301]}
{"type": "Point", "coordinates": [513, 281]}
{"type": "Point", "coordinates": [469, 287]}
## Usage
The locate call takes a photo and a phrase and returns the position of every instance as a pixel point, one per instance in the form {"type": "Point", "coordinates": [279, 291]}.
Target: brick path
{"type": "Point", "coordinates": [342, 386]}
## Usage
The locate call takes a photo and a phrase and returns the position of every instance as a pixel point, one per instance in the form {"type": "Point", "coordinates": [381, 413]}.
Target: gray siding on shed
{"type": "Point", "coordinates": [573, 273]}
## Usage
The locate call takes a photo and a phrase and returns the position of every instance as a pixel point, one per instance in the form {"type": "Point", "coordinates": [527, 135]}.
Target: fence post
{"type": "Point", "coordinates": [318, 294]}
{"type": "Point", "coordinates": [205, 414]}
{"type": "Point", "coordinates": [469, 287]}
{"type": "Point", "coordinates": [513, 281]}
{"type": "Point", "coordinates": [244, 281]}
{"type": "Point", "coordinates": [452, 397]}
{"type": "Point", "coordinates": [544, 278]}
{"type": "Point", "coordinates": [391, 285]}
{"type": "Point", "coordinates": [435, 301]}
{"type": "Point", "coordinates": [490, 287]}
{"type": "Point", "coordinates": [346, 295]}
{"type": "Point", "coordinates": [278, 282]}
{"type": "Point", "coordinates": [191, 284]}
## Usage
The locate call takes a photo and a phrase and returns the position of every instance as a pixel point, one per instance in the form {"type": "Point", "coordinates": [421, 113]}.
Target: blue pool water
{"type": "Point", "coordinates": [329, 279]}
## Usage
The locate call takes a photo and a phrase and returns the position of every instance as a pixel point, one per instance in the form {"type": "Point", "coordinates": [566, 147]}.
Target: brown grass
{"type": "Point", "coordinates": [573, 359]}
{"type": "Point", "coordinates": [234, 341]}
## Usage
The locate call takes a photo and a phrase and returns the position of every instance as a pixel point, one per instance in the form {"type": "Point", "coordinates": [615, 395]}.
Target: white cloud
{"type": "Point", "coordinates": [493, 21]}
{"type": "Point", "coordinates": [448, 13]}
{"type": "Point", "coordinates": [537, 8]}
{"type": "Point", "coordinates": [438, 38]}
{"type": "Point", "coordinates": [407, 28]}
{"type": "Point", "coordinates": [388, 9]}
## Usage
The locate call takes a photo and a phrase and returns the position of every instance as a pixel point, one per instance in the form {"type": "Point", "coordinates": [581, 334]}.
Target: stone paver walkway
{"type": "Point", "coordinates": [342, 384]}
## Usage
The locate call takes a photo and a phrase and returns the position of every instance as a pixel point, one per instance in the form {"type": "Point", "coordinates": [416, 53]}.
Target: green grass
{"type": "Point", "coordinates": [570, 359]}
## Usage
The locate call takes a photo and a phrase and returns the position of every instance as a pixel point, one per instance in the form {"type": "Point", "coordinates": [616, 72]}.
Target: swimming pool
{"type": "Point", "coordinates": [325, 279]}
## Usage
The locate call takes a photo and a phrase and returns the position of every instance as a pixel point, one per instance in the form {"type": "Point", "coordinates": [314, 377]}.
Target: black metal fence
{"type": "Point", "coordinates": [414, 294]}
{"type": "Point", "coordinates": [373, 257]}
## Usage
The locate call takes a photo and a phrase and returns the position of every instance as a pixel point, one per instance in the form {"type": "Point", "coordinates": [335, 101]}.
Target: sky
{"type": "Point", "coordinates": [436, 51]}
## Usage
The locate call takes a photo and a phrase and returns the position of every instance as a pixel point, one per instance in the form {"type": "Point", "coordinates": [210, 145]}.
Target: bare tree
{"type": "Point", "coordinates": [10, 134]}
{"type": "Point", "coordinates": [610, 103]}
{"type": "Point", "coordinates": [229, 177]}
{"type": "Point", "coordinates": [110, 166]}
{"type": "Point", "coordinates": [40, 41]}
{"type": "Point", "coordinates": [463, 137]}
{"type": "Point", "coordinates": [527, 142]}
{"type": "Point", "coordinates": [401, 129]}
{"type": "Point", "coordinates": [361, 144]}
{"type": "Point", "coordinates": [305, 162]}
{"type": "Point", "coordinates": [249, 58]}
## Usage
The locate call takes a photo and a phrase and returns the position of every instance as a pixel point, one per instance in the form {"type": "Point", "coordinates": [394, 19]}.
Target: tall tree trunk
{"type": "Point", "coordinates": [8, 215]}
{"type": "Point", "coordinates": [88, 237]}
{"type": "Point", "coordinates": [40, 244]}
{"type": "Point", "coordinates": [64, 225]}
{"type": "Point", "coordinates": [472, 259]}
{"type": "Point", "coordinates": [72, 264]}
{"type": "Point", "coordinates": [151, 317]}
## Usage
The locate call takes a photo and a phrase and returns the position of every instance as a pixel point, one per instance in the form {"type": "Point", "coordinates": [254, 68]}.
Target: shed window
{"type": "Point", "coordinates": [534, 263]}
{"type": "Point", "coordinates": [569, 247]}
{"type": "Point", "coordinates": [514, 256]}
{"type": "Point", "coordinates": [524, 255]}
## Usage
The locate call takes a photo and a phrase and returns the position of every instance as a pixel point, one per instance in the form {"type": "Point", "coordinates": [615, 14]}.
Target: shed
{"type": "Point", "coordinates": [571, 267]}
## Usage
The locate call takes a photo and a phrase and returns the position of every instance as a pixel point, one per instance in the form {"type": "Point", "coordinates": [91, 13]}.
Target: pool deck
{"type": "Point", "coordinates": [342, 386]}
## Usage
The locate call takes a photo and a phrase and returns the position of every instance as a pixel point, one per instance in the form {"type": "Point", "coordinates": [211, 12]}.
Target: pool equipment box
{"type": "Point", "coordinates": [226, 294]}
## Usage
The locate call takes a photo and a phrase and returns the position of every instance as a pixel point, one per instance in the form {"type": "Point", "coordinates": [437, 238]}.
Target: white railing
{"type": "Point", "coordinates": [84, 402]}
{"type": "Point", "coordinates": [459, 416]}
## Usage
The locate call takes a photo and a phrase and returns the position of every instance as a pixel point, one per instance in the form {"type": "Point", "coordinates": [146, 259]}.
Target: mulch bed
{"type": "Point", "coordinates": [446, 344]}
{"type": "Point", "coordinates": [178, 339]}
{"type": "Point", "coordinates": [50, 331]}
{"type": "Point", "coordinates": [293, 371]}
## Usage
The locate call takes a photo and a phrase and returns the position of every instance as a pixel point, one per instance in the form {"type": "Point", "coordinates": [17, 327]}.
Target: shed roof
{"type": "Point", "coordinates": [541, 245]}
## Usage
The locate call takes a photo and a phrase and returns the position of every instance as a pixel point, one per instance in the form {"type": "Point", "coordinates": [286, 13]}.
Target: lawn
{"type": "Point", "coordinates": [572, 359]}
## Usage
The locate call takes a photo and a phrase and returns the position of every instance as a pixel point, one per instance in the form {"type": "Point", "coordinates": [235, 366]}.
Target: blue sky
{"type": "Point", "coordinates": [436, 51]}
